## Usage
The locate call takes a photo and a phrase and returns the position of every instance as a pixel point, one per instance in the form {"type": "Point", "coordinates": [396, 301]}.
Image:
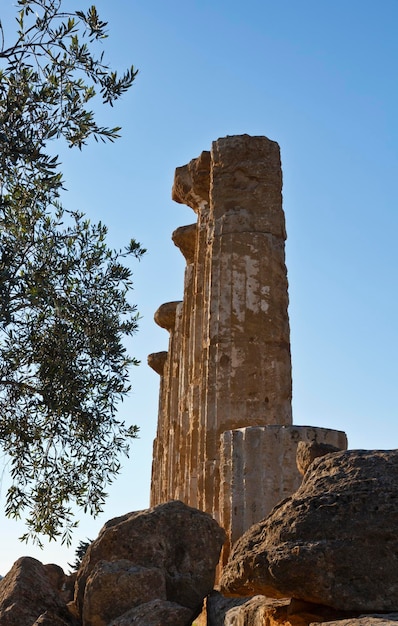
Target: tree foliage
{"type": "Point", "coordinates": [64, 306]}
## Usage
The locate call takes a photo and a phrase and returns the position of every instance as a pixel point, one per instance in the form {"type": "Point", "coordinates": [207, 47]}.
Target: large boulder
{"type": "Point", "coordinates": [260, 610]}
{"type": "Point", "coordinates": [334, 542]}
{"type": "Point", "coordinates": [114, 587]}
{"type": "Point", "coordinates": [308, 451]}
{"type": "Point", "coordinates": [29, 590]}
{"type": "Point", "coordinates": [177, 544]}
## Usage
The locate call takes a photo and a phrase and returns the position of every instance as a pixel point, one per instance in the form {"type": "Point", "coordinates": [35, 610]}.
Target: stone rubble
{"type": "Point", "coordinates": [150, 568]}
{"type": "Point", "coordinates": [333, 542]}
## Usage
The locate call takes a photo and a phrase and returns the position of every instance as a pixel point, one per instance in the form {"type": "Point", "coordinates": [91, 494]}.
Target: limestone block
{"type": "Point", "coordinates": [130, 584]}
{"type": "Point", "coordinates": [258, 469]}
{"type": "Point", "coordinates": [192, 182]}
{"type": "Point", "coordinates": [166, 314]}
{"type": "Point", "coordinates": [184, 238]}
{"type": "Point", "coordinates": [333, 542]}
{"type": "Point", "coordinates": [157, 361]}
{"type": "Point", "coordinates": [308, 452]}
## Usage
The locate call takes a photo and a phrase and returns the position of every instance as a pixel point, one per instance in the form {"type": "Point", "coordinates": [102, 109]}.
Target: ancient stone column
{"type": "Point", "coordinates": [258, 470]}
{"type": "Point", "coordinates": [167, 316]}
{"type": "Point", "coordinates": [225, 440]}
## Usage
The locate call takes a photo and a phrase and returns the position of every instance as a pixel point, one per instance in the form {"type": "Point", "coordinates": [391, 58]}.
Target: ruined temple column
{"type": "Point", "coordinates": [225, 441]}
{"type": "Point", "coordinates": [185, 239]}
{"type": "Point", "coordinates": [167, 316]}
{"type": "Point", "coordinates": [249, 366]}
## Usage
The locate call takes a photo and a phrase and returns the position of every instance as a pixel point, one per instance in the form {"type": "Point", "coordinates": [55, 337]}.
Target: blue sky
{"type": "Point", "coordinates": [318, 77]}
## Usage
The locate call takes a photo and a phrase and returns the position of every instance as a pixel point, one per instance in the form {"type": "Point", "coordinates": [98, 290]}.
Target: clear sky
{"type": "Point", "coordinates": [321, 79]}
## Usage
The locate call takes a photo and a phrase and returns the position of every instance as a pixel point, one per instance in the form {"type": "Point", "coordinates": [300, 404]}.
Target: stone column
{"type": "Point", "coordinates": [185, 239]}
{"type": "Point", "coordinates": [258, 470]}
{"type": "Point", "coordinates": [225, 440]}
{"type": "Point", "coordinates": [167, 316]}
{"type": "Point", "coordinates": [248, 381]}
{"type": "Point", "coordinates": [157, 361]}
{"type": "Point", "coordinates": [191, 187]}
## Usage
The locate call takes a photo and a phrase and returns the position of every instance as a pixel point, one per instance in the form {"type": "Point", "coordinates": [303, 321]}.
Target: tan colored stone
{"type": "Point", "coordinates": [260, 611]}
{"type": "Point", "coordinates": [166, 314]}
{"type": "Point", "coordinates": [228, 365]}
{"type": "Point", "coordinates": [157, 361]}
{"type": "Point", "coordinates": [27, 591]}
{"type": "Point", "coordinates": [130, 584]}
{"type": "Point", "coordinates": [156, 613]}
{"type": "Point", "coordinates": [258, 470]}
{"type": "Point", "coordinates": [192, 182]}
{"type": "Point", "coordinates": [333, 542]}
{"type": "Point", "coordinates": [309, 451]}
{"type": "Point", "coordinates": [184, 238]}
{"type": "Point", "coordinates": [182, 542]}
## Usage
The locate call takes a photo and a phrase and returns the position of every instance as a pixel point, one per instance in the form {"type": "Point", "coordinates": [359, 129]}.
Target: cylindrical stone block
{"type": "Point", "coordinates": [258, 469]}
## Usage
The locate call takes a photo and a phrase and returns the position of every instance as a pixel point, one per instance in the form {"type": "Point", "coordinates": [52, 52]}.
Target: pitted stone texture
{"type": "Point", "coordinates": [260, 611]}
{"type": "Point", "coordinates": [156, 613]}
{"type": "Point", "coordinates": [157, 361]}
{"type": "Point", "coordinates": [192, 182]}
{"type": "Point", "coordinates": [334, 542]}
{"type": "Point", "coordinates": [115, 587]}
{"type": "Point", "coordinates": [185, 239]}
{"type": "Point", "coordinates": [166, 314]}
{"type": "Point", "coordinates": [180, 541]}
{"type": "Point", "coordinates": [258, 469]}
{"type": "Point", "coordinates": [308, 452]}
{"type": "Point", "coordinates": [27, 591]}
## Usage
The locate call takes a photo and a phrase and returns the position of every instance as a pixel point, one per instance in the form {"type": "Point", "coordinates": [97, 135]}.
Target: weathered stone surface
{"type": "Point", "coordinates": [260, 610]}
{"type": "Point", "coordinates": [157, 361]}
{"type": "Point", "coordinates": [184, 238]}
{"type": "Point", "coordinates": [229, 353]}
{"type": "Point", "coordinates": [258, 469]}
{"type": "Point", "coordinates": [308, 451]}
{"type": "Point", "coordinates": [156, 613]}
{"type": "Point", "coordinates": [192, 182]}
{"type": "Point", "coordinates": [228, 366]}
{"type": "Point", "coordinates": [115, 587]}
{"type": "Point", "coordinates": [364, 620]}
{"type": "Point", "coordinates": [52, 618]}
{"type": "Point", "coordinates": [166, 314]}
{"type": "Point", "coordinates": [334, 542]}
{"type": "Point", "coordinates": [180, 541]}
{"type": "Point", "coordinates": [28, 591]}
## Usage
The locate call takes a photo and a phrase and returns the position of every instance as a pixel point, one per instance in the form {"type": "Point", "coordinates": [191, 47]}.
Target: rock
{"type": "Point", "coordinates": [309, 451]}
{"type": "Point", "coordinates": [260, 610]}
{"type": "Point", "coordinates": [257, 610]}
{"type": "Point", "coordinates": [166, 314]}
{"type": "Point", "coordinates": [156, 361]}
{"type": "Point", "coordinates": [334, 542]}
{"type": "Point", "coordinates": [27, 591]}
{"type": "Point", "coordinates": [156, 613]}
{"type": "Point", "coordinates": [51, 618]}
{"type": "Point", "coordinates": [363, 620]}
{"type": "Point", "coordinates": [182, 542]}
{"type": "Point", "coordinates": [115, 587]}
{"type": "Point", "coordinates": [184, 238]}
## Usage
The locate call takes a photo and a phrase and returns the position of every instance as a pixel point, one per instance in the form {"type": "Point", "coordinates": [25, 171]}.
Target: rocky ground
{"type": "Point", "coordinates": [328, 554]}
